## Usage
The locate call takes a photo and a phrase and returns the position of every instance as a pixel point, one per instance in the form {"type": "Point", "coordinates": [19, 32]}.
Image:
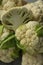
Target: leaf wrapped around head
{"type": "Point", "coordinates": [15, 17]}
{"type": "Point", "coordinates": [39, 30]}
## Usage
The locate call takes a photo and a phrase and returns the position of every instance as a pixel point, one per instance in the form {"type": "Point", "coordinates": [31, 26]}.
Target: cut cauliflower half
{"type": "Point", "coordinates": [15, 17]}
{"type": "Point", "coordinates": [28, 36]}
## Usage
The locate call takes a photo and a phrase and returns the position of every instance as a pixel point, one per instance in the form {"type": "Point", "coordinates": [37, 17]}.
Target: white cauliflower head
{"type": "Point", "coordinates": [8, 50]}
{"type": "Point", "coordinates": [39, 3]}
{"type": "Point", "coordinates": [32, 60]}
{"type": "Point", "coordinates": [28, 36]}
{"type": "Point", "coordinates": [5, 55]}
{"type": "Point", "coordinates": [36, 8]}
{"type": "Point", "coordinates": [8, 55]}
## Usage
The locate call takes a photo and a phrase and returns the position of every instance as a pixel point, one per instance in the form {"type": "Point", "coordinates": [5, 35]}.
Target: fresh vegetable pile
{"type": "Point", "coordinates": [21, 28]}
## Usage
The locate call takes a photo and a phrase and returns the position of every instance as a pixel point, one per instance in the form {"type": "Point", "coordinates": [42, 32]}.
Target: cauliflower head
{"type": "Point", "coordinates": [28, 36]}
{"type": "Point", "coordinates": [32, 60]}
{"type": "Point", "coordinates": [8, 49]}
{"type": "Point", "coordinates": [37, 9]}
{"type": "Point", "coordinates": [8, 55]}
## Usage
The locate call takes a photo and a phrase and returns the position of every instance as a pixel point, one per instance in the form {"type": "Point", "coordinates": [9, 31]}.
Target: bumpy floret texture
{"type": "Point", "coordinates": [32, 60]}
{"type": "Point", "coordinates": [7, 54]}
{"type": "Point", "coordinates": [36, 8]}
{"type": "Point", "coordinates": [28, 36]}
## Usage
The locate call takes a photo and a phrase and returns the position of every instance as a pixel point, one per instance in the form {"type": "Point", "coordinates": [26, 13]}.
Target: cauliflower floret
{"type": "Point", "coordinates": [39, 3]}
{"type": "Point", "coordinates": [20, 32]}
{"type": "Point", "coordinates": [11, 52]}
{"type": "Point", "coordinates": [36, 11]}
{"type": "Point", "coordinates": [32, 60]}
{"type": "Point", "coordinates": [28, 36]}
{"type": "Point", "coordinates": [30, 25]}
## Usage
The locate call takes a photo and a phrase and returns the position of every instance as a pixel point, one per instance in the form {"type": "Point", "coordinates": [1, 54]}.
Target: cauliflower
{"type": "Point", "coordinates": [12, 3]}
{"type": "Point", "coordinates": [8, 55]}
{"type": "Point", "coordinates": [15, 17]}
{"type": "Point", "coordinates": [8, 49]}
{"type": "Point", "coordinates": [40, 3]}
{"type": "Point", "coordinates": [8, 4]}
{"type": "Point", "coordinates": [32, 60]}
{"type": "Point", "coordinates": [28, 35]}
{"type": "Point", "coordinates": [36, 8]}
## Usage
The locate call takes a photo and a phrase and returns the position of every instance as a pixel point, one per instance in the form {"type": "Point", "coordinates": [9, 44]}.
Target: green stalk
{"type": "Point", "coordinates": [5, 41]}
{"type": "Point", "coordinates": [39, 31]}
